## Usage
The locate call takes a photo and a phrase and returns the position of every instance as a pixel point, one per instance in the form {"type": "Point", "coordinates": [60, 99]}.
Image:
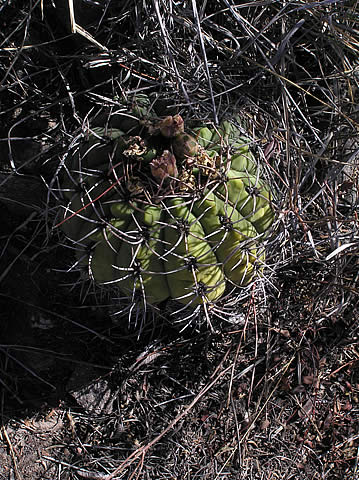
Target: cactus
{"type": "Point", "coordinates": [165, 212]}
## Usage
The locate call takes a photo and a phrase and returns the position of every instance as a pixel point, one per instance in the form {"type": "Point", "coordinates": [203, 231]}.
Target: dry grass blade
{"type": "Point", "coordinates": [141, 452]}
{"type": "Point", "coordinates": [199, 29]}
{"type": "Point", "coordinates": [4, 434]}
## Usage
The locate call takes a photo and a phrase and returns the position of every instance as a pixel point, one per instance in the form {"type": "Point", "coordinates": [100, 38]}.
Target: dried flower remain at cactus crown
{"type": "Point", "coordinates": [135, 147]}
{"type": "Point", "coordinates": [185, 145]}
{"type": "Point", "coordinates": [164, 166]}
{"type": "Point", "coordinates": [170, 126]}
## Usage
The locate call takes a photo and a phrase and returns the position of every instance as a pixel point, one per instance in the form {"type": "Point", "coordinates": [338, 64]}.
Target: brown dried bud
{"type": "Point", "coordinates": [171, 126]}
{"type": "Point", "coordinates": [164, 166]}
{"type": "Point", "coordinates": [184, 145]}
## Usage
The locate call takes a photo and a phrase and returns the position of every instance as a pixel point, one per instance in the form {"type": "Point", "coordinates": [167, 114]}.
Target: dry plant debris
{"type": "Point", "coordinates": [275, 392]}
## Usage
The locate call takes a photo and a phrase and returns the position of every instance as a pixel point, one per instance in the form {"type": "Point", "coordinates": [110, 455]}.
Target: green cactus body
{"type": "Point", "coordinates": [142, 259]}
{"type": "Point", "coordinates": [185, 237]}
{"type": "Point", "coordinates": [194, 274]}
{"type": "Point", "coordinates": [103, 259]}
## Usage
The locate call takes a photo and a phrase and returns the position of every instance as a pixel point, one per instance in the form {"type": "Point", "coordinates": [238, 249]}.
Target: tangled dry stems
{"type": "Point", "coordinates": [276, 392]}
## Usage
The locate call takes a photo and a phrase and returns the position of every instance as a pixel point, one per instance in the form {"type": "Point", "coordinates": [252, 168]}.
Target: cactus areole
{"type": "Point", "coordinates": [164, 212]}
